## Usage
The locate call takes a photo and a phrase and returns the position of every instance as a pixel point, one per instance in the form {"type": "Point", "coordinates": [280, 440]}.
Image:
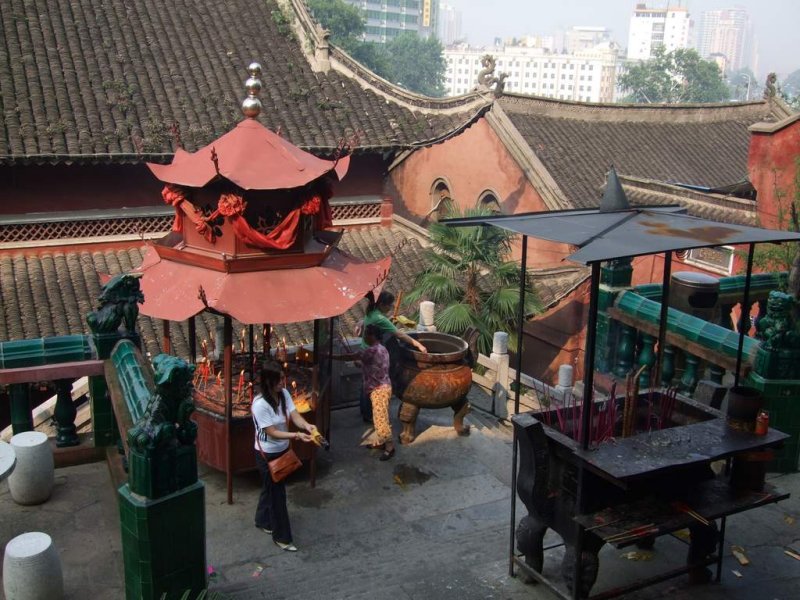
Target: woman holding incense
{"type": "Point", "coordinates": [388, 335]}
{"type": "Point", "coordinates": [374, 361]}
{"type": "Point", "coordinates": [272, 410]}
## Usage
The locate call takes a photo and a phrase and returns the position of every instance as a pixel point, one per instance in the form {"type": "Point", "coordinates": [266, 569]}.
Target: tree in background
{"type": "Point", "coordinates": [790, 89]}
{"type": "Point", "coordinates": [472, 279]}
{"type": "Point", "coordinates": [414, 63]}
{"type": "Point", "coordinates": [674, 77]}
{"type": "Point", "coordinates": [417, 64]}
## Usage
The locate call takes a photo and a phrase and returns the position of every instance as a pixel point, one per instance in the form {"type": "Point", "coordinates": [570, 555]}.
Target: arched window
{"type": "Point", "coordinates": [488, 200]}
{"type": "Point", "coordinates": [440, 199]}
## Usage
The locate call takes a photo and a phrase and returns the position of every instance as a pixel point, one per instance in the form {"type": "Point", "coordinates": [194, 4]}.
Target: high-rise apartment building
{"type": "Point", "coordinates": [588, 75]}
{"type": "Point", "coordinates": [652, 27]}
{"type": "Point", "coordinates": [386, 19]}
{"type": "Point", "coordinates": [448, 27]}
{"type": "Point", "coordinates": [583, 38]}
{"type": "Point", "coordinates": [727, 37]}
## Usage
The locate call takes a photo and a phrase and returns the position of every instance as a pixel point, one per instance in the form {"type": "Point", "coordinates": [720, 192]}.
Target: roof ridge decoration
{"type": "Point", "coordinates": [326, 56]}
{"type": "Point", "coordinates": [487, 78]}
{"type": "Point", "coordinates": [708, 112]}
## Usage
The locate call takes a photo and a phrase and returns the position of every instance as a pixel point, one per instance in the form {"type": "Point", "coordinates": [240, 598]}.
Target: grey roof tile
{"type": "Point", "coordinates": [703, 145]}
{"type": "Point", "coordinates": [106, 81]}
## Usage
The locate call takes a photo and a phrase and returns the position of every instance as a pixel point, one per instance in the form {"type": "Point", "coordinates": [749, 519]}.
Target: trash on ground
{"type": "Point", "coordinates": [638, 555]}
{"type": "Point", "coordinates": [789, 519]}
{"type": "Point", "coordinates": [399, 481]}
{"type": "Point", "coordinates": [792, 552]}
{"type": "Point", "coordinates": [738, 553]}
{"type": "Point", "coordinates": [736, 573]}
{"type": "Point", "coordinates": [212, 573]}
{"type": "Point", "coordinates": [682, 534]}
{"type": "Point", "coordinates": [257, 572]}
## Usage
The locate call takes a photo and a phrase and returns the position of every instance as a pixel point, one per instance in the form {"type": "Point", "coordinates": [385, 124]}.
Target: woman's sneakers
{"type": "Point", "coordinates": [288, 547]}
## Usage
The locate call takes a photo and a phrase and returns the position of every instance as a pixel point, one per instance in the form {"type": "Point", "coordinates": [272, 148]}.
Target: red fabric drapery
{"type": "Point", "coordinates": [175, 196]}
{"type": "Point", "coordinates": [232, 206]}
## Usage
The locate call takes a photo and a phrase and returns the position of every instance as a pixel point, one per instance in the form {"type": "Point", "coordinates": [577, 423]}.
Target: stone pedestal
{"type": "Point", "coordinates": [163, 543]}
{"type": "Point", "coordinates": [34, 474]}
{"type": "Point", "coordinates": [32, 569]}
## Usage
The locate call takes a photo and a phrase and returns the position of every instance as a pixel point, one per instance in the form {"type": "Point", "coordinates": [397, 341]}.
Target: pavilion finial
{"type": "Point", "coordinates": [614, 197]}
{"type": "Point", "coordinates": [251, 106]}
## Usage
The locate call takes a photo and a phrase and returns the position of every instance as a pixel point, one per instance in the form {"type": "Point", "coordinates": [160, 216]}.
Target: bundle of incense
{"type": "Point", "coordinates": [684, 508]}
{"type": "Point", "coordinates": [640, 531]}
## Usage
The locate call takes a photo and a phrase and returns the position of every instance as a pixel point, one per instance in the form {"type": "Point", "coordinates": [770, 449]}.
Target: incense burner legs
{"type": "Point", "coordinates": [408, 417]}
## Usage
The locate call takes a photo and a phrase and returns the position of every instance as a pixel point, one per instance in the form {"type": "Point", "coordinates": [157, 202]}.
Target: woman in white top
{"type": "Point", "coordinates": [272, 438]}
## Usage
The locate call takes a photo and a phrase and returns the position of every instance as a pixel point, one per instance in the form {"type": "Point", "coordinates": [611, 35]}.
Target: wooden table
{"type": "Point", "coordinates": [634, 489]}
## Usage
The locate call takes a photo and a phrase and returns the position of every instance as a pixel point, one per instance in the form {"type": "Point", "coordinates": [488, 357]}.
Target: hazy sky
{"type": "Point", "coordinates": [776, 22]}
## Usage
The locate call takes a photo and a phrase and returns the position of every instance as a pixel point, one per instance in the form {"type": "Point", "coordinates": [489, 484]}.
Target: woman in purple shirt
{"type": "Point", "coordinates": [377, 386]}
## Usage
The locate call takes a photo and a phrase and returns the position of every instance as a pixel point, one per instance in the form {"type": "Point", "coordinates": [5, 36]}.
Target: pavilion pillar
{"type": "Point", "coordinates": [227, 369]}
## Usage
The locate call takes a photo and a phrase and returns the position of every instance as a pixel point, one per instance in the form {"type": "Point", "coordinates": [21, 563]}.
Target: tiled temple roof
{"type": "Point", "coordinates": [118, 80]}
{"type": "Point", "coordinates": [704, 145]}
{"type": "Point", "coordinates": [49, 293]}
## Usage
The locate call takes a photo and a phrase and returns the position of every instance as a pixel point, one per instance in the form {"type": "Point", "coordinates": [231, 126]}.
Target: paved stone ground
{"type": "Point", "coordinates": [431, 523]}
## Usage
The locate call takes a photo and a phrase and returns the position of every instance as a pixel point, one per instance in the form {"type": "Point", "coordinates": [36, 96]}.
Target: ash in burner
{"type": "Point", "coordinates": [405, 474]}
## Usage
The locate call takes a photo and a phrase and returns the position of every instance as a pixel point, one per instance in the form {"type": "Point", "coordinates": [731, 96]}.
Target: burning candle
{"type": "Point", "coordinates": [294, 386]}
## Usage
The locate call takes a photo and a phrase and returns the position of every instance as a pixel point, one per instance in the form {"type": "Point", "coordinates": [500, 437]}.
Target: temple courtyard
{"type": "Point", "coordinates": [431, 523]}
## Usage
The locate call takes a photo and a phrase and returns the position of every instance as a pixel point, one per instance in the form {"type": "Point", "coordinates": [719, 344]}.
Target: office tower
{"type": "Point", "coordinates": [652, 27]}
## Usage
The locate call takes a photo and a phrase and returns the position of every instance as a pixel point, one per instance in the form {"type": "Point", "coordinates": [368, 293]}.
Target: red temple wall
{"type": "Point", "coordinates": [773, 166]}
{"type": "Point", "coordinates": [58, 188]}
{"type": "Point", "coordinates": [471, 165]}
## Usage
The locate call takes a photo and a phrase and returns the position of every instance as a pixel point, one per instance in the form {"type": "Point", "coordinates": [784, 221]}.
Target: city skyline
{"type": "Point", "coordinates": [773, 21]}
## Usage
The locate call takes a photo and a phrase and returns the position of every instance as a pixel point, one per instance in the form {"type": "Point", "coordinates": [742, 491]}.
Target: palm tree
{"type": "Point", "coordinates": [470, 277]}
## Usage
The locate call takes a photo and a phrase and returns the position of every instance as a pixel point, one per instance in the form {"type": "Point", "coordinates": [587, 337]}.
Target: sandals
{"type": "Point", "coordinates": [387, 454]}
{"type": "Point", "coordinates": [290, 547]}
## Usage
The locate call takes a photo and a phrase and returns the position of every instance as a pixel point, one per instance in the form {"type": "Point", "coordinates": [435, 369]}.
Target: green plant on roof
{"type": "Point", "coordinates": [472, 279]}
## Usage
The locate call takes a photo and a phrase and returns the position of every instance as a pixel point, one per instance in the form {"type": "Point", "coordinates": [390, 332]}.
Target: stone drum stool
{"type": "Point", "coordinates": [33, 477]}
{"type": "Point", "coordinates": [32, 569]}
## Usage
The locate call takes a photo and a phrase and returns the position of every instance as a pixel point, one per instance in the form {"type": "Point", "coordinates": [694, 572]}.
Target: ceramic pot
{"type": "Point", "coordinates": [32, 569]}
{"type": "Point", "coordinates": [744, 404]}
{"type": "Point", "coordinates": [34, 474]}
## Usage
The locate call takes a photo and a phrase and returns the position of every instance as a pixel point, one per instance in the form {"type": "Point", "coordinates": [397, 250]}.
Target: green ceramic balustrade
{"type": "Point", "coordinates": [712, 336]}
{"type": "Point", "coordinates": [39, 352]}
{"type": "Point", "coordinates": [162, 457]}
{"type": "Point", "coordinates": [162, 506]}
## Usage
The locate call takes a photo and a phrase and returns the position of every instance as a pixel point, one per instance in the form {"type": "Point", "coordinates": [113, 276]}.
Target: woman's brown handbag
{"type": "Point", "coordinates": [283, 466]}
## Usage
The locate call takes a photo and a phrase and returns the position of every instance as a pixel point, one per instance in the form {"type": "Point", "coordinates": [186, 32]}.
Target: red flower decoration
{"type": "Point", "coordinates": [311, 206]}
{"type": "Point", "coordinates": [231, 204]}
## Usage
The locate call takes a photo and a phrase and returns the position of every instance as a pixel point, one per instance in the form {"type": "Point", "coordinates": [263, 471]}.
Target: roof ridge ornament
{"type": "Point", "coordinates": [251, 106]}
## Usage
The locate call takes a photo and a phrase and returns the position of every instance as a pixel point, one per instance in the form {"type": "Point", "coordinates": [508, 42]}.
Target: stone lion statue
{"type": "Point", "coordinates": [776, 328]}
{"type": "Point", "coordinates": [166, 417]}
{"type": "Point", "coordinates": [118, 304]}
